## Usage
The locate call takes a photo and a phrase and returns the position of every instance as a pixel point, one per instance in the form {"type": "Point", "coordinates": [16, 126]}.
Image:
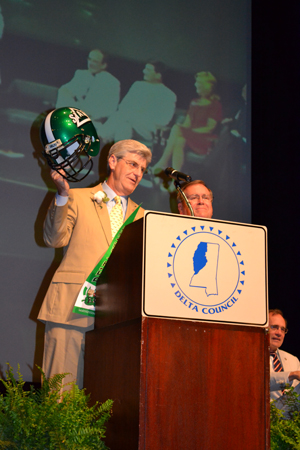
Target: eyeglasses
{"type": "Point", "coordinates": [134, 165]}
{"type": "Point", "coordinates": [277, 327]}
{"type": "Point", "coordinates": [196, 197]}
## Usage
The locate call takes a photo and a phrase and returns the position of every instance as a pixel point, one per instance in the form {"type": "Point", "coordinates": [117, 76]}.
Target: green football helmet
{"type": "Point", "coordinates": [70, 141]}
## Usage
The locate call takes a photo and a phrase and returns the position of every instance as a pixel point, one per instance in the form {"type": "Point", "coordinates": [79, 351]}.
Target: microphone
{"type": "Point", "coordinates": [179, 176]}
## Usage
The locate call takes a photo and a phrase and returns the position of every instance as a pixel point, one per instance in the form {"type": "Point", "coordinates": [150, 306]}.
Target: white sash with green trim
{"type": "Point", "coordinates": [85, 302]}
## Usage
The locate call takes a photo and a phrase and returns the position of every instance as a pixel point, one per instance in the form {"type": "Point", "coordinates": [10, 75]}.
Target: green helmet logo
{"type": "Point", "coordinates": [70, 140]}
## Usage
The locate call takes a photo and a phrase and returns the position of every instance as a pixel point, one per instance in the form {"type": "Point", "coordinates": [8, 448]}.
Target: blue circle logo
{"type": "Point", "coordinates": [206, 270]}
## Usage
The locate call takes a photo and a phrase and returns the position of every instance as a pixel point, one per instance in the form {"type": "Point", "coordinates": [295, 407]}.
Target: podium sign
{"type": "Point", "coordinates": [204, 269]}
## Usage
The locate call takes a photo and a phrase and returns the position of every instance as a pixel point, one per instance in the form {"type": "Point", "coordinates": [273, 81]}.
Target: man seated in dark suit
{"type": "Point", "coordinates": [199, 196]}
{"type": "Point", "coordinates": [80, 221]}
{"type": "Point", "coordinates": [284, 367]}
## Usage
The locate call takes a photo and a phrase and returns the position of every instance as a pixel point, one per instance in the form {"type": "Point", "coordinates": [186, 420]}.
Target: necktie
{"type": "Point", "coordinates": [116, 216]}
{"type": "Point", "coordinates": [276, 363]}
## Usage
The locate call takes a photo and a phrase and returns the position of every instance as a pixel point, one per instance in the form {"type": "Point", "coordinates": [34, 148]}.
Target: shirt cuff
{"type": "Point", "coordinates": [60, 200]}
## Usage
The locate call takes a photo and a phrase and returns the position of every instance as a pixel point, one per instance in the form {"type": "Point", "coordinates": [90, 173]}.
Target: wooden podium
{"type": "Point", "coordinates": [176, 384]}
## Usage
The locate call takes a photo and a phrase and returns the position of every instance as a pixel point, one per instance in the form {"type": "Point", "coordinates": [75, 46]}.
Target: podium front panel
{"type": "Point", "coordinates": [204, 269]}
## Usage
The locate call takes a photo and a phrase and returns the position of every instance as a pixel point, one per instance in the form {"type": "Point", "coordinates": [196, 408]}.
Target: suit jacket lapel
{"type": "Point", "coordinates": [103, 215]}
{"type": "Point", "coordinates": [131, 206]}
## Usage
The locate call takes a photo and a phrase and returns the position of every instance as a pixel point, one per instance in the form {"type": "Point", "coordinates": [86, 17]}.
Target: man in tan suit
{"type": "Point", "coordinates": [77, 222]}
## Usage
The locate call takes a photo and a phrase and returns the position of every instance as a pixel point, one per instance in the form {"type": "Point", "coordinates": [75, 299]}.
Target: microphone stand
{"type": "Point", "coordinates": [178, 188]}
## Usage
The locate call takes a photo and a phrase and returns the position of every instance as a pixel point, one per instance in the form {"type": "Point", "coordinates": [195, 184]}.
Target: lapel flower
{"type": "Point", "coordinates": [100, 197]}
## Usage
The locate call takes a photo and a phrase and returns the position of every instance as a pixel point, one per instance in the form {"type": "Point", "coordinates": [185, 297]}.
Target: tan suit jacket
{"type": "Point", "coordinates": [82, 226]}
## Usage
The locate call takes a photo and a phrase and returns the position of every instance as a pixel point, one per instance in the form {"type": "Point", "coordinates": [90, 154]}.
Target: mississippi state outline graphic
{"type": "Point", "coordinates": [205, 269]}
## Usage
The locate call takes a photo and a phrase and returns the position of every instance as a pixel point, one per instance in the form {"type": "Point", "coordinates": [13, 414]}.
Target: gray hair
{"type": "Point", "coordinates": [121, 148]}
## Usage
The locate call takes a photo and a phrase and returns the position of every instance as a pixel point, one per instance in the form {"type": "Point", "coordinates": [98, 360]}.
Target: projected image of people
{"type": "Point", "coordinates": [227, 167]}
{"type": "Point", "coordinates": [148, 105]}
{"type": "Point", "coordinates": [237, 124]}
{"type": "Point", "coordinates": [93, 90]}
{"type": "Point", "coordinates": [197, 132]}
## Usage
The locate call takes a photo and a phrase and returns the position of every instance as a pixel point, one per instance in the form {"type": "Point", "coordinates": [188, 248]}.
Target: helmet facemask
{"type": "Point", "coordinates": [70, 141]}
{"type": "Point", "coordinates": [70, 159]}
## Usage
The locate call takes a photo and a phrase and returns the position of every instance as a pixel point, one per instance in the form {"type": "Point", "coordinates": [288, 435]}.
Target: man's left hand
{"type": "Point", "coordinates": [294, 375]}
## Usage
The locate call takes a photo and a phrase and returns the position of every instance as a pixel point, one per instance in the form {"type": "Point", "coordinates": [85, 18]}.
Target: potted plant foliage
{"type": "Point", "coordinates": [285, 424]}
{"type": "Point", "coordinates": [51, 417]}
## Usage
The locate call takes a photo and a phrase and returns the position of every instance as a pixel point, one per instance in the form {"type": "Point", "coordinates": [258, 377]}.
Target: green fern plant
{"type": "Point", "coordinates": [51, 417]}
{"type": "Point", "coordinates": [285, 425]}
